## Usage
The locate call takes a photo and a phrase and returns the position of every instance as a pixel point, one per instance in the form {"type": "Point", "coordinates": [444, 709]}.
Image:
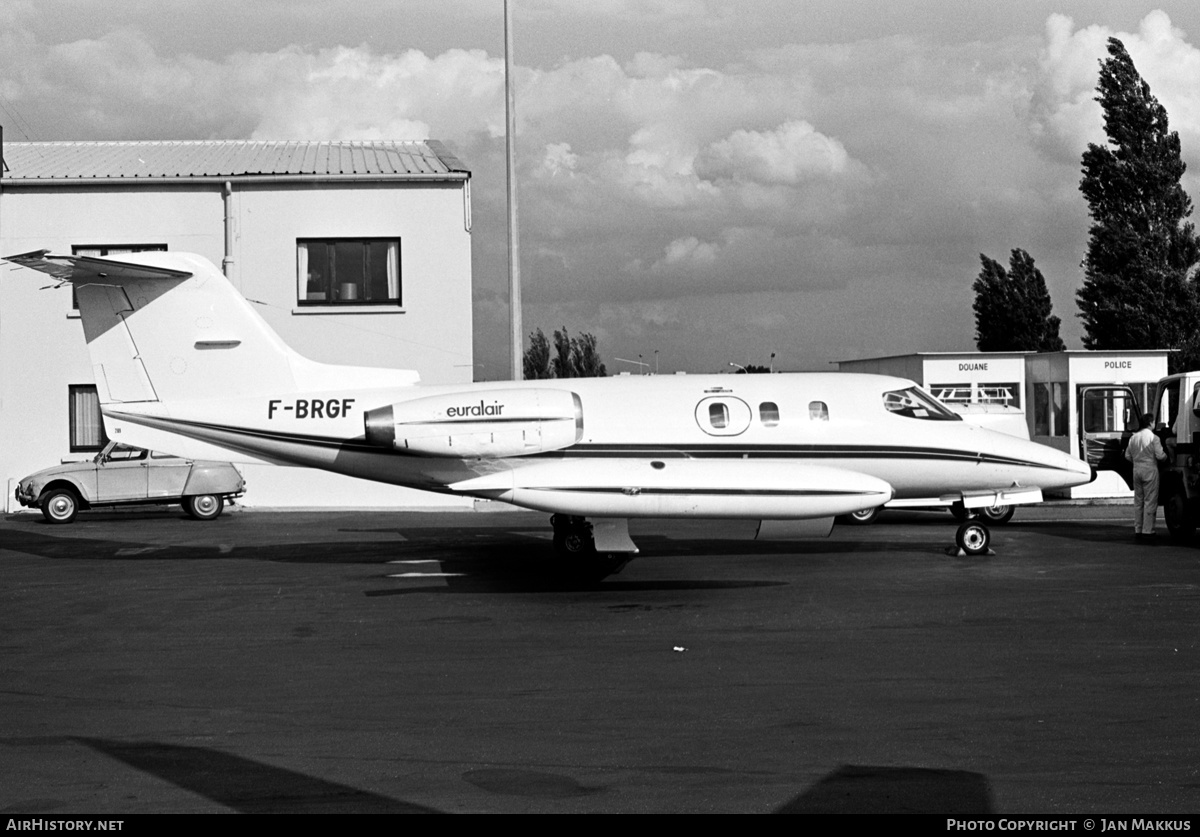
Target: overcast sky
{"type": "Point", "coordinates": [711, 181]}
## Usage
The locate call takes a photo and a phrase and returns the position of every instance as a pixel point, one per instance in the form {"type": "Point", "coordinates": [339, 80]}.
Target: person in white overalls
{"type": "Point", "coordinates": [1145, 451]}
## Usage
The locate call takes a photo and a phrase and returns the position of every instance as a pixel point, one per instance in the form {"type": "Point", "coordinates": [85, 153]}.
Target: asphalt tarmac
{"type": "Point", "coordinates": [396, 663]}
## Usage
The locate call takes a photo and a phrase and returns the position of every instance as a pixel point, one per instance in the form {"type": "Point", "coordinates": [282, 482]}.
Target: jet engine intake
{"type": "Point", "coordinates": [479, 423]}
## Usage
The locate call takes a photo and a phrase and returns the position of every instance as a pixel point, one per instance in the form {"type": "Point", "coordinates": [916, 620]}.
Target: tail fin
{"type": "Point", "coordinates": [169, 327]}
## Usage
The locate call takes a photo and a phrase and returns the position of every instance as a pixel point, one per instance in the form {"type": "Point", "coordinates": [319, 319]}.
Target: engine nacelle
{"type": "Point", "coordinates": [479, 423]}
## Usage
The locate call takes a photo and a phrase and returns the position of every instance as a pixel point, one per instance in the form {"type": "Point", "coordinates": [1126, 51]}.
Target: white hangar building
{"type": "Point", "coordinates": [355, 252]}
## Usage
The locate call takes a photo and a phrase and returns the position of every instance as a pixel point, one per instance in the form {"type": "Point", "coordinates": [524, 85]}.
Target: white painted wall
{"type": "Point", "coordinates": [42, 349]}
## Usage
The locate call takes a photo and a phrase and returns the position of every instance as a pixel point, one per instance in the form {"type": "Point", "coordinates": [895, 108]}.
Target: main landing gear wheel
{"type": "Point", "coordinates": [862, 517]}
{"type": "Point", "coordinates": [204, 506]}
{"type": "Point", "coordinates": [997, 515]}
{"type": "Point", "coordinates": [575, 544]}
{"type": "Point", "coordinates": [973, 538]}
{"type": "Point", "coordinates": [60, 505]}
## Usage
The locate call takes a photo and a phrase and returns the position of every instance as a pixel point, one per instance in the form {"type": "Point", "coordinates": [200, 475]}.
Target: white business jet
{"type": "Point", "coordinates": [184, 363]}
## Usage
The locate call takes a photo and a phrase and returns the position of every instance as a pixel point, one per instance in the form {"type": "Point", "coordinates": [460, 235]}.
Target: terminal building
{"type": "Point", "coordinates": [1061, 399]}
{"type": "Point", "coordinates": [354, 252]}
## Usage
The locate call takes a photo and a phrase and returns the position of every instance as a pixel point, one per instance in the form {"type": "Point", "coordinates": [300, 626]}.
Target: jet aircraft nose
{"type": "Point", "coordinates": [1031, 464]}
{"type": "Point", "coordinates": [1061, 469]}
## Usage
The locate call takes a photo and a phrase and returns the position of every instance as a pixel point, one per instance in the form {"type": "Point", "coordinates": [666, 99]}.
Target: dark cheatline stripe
{"type": "Point", "coordinates": [809, 452]}
{"type": "Point", "coordinates": [641, 451]}
{"type": "Point", "coordinates": [716, 492]}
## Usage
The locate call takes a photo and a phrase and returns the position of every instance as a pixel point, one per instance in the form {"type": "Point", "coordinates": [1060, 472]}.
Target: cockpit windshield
{"type": "Point", "coordinates": [917, 403]}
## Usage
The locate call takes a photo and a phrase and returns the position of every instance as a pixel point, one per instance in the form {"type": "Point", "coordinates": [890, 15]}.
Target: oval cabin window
{"type": "Point", "coordinates": [723, 415]}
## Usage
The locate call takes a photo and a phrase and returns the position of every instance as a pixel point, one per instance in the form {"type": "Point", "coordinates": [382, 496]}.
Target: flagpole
{"type": "Point", "coordinates": [517, 336]}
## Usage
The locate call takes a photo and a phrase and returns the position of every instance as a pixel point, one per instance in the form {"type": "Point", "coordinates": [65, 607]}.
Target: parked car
{"type": "Point", "coordinates": [122, 475]}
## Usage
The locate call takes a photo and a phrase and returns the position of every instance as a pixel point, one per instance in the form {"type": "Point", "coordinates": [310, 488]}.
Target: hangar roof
{"type": "Point", "coordinates": [27, 163]}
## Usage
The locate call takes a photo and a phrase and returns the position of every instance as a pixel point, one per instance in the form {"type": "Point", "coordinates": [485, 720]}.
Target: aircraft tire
{"type": "Point", "coordinates": [973, 538]}
{"type": "Point", "coordinates": [204, 506]}
{"type": "Point", "coordinates": [997, 515]}
{"type": "Point", "coordinates": [865, 517]}
{"type": "Point", "coordinates": [60, 506]}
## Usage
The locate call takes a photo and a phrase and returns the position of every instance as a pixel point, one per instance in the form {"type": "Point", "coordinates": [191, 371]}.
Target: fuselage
{"type": "Point", "coordinates": [856, 424]}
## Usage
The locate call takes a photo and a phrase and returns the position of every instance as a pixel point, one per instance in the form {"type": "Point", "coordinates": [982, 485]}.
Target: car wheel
{"type": "Point", "coordinates": [204, 506]}
{"type": "Point", "coordinates": [997, 514]}
{"type": "Point", "coordinates": [862, 517]}
{"type": "Point", "coordinates": [60, 505]}
{"type": "Point", "coordinates": [973, 538]}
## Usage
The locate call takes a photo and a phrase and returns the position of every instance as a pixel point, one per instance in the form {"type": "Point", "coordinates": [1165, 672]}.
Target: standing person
{"type": "Point", "coordinates": [1144, 451]}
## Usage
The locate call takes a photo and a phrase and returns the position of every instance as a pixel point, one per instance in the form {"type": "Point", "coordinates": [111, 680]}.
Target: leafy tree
{"type": "Point", "coordinates": [586, 357]}
{"type": "Point", "coordinates": [536, 361]}
{"type": "Point", "coordinates": [1012, 308]}
{"type": "Point", "coordinates": [574, 357]}
{"type": "Point", "coordinates": [753, 369]}
{"type": "Point", "coordinates": [1136, 293]}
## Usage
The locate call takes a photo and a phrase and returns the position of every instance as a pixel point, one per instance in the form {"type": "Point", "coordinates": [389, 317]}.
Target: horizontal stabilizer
{"type": "Point", "coordinates": [86, 269]}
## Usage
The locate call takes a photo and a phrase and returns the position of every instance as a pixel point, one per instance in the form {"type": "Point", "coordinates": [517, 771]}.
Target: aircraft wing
{"type": "Point", "coordinates": [86, 269]}
{"type": "Point", "coordinates": [975, 499]}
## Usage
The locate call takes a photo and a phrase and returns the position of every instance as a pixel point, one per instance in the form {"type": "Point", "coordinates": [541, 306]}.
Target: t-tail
{"type": "Point", "coordinates": [167, 329]}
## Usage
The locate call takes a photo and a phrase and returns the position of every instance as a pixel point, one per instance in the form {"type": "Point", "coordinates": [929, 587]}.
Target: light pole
{"type": "Point", "coordinates": [514, 249]}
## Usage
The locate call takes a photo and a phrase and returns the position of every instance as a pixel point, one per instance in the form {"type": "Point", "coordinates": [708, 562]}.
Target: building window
{"type": "Point", "coordinates": [348, 271]}
{"type": "Point", "coordinates": [1050, 409]}
{"type": "Point", "coordinates": [87, 430]}
{"type": "Point", "coordinates": [110, 250]}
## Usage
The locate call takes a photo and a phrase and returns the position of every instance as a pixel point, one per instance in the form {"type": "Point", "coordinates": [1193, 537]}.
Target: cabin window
{"type": "Point", "coordinates": [338, 271]}
{"type": "Point", "coordinates": [818, 411]}
{"type": "Point", "coordinates": [718, 415]}
{"type": "Point", "coordinates": [86, 428]}
{"type": "Point", "coordinates": [917, 403]}
{"type": "Point", "coordinates": [110, 250]}
{"type": "Point", "coordinates": [768, 413]}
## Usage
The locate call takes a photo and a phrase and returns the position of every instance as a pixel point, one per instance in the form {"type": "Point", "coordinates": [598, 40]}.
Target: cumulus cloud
{"type": "Point", "coordinates": [1064, 115]}
{"type": "Point", "coordinates": [789, 154]}
{"type": "Point", "coordinates": [686, 252]}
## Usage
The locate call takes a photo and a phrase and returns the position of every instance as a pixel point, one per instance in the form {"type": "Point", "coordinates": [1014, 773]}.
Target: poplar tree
{"type": "Point", "coordinates": [1012, 308]}
{"type": "Point", "coordinates": [574, 357]}
{"type": "Point", "coordinates": [536, 362]}
{"type": "Point", "coordinates": [1136, 292]}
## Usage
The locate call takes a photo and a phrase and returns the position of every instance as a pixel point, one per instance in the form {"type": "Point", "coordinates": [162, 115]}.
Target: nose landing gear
{"type": "Point", "coordinates": [973, 538]}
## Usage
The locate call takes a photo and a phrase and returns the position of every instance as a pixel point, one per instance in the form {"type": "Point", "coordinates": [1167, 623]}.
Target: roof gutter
{"type": "Point", "coordinates": [250, 179]}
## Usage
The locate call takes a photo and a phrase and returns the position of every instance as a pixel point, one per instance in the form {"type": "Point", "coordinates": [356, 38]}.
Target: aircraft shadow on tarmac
{"type": "Point", "coordinates": [857, 789]}
{"type": "Point", "coordinates": [247, 786]}
{"type": "Point", "coordinates": [251, 787]}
